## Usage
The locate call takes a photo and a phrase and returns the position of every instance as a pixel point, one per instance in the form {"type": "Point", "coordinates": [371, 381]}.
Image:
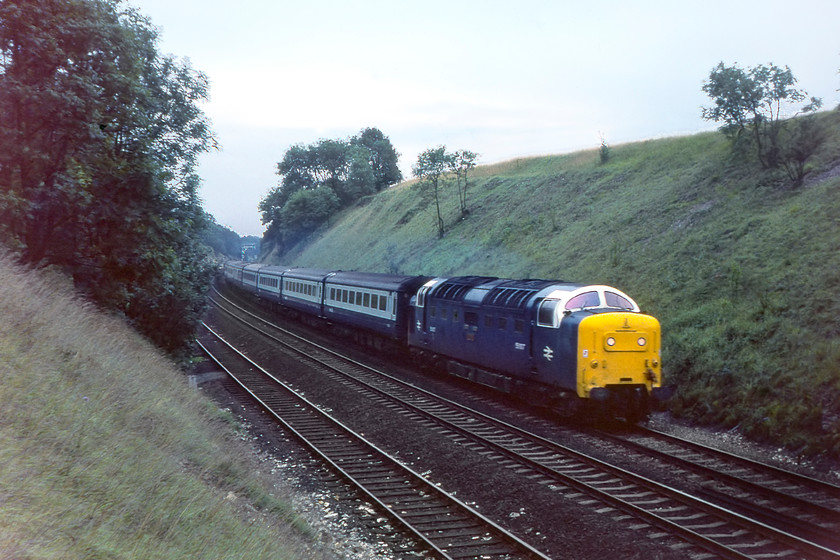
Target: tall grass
{"type": "Point", "coordinates": [104, 450]}
{"type": "Point", "coordinates": [742, 271]}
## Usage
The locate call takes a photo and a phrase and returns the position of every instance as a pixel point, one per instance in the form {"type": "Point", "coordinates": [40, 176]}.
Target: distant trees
{"type": "Point", "coordinates": [432, 168]}
{"type": "Point", "coordinates": [221, 239]}
{"type": "Point", "coordinates": [755, 105]}
{"type": "Point", "coordinates": [319, 179]}
{"type": "Point", "coordinates": [99, 136]}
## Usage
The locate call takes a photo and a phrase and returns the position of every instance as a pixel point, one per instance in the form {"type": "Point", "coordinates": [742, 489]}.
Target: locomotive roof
{"type": "Point", "coordinates": [456, 289]}
{"type": "Point", "coordinates": [496, 292]}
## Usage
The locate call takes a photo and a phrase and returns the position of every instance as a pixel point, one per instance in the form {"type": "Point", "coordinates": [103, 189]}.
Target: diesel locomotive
{"type": "Point", "coordinates": [574, 348]}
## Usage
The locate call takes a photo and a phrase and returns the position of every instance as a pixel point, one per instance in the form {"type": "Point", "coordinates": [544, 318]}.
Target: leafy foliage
{"type": "Point", "coordinates": [433, 168]}
{"type": "Point", "coordinates": [320, 179]}
{"type": "Point", "coordinates": [98, 144]}
{"type": "Point", "coordinates": [462, 162]}
{"type": "Point", "coordinates": [752, 104]}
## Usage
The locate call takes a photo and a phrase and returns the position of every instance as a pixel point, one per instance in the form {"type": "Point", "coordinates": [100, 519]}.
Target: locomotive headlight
{"type": "Point", "coordinates": [642, 341]}
{"type": "Point", "coordinates": [610, 341]}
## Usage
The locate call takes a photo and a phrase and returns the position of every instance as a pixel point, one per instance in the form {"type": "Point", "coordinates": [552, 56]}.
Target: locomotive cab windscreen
{"type": "Point", "coordinates": [560, 303]}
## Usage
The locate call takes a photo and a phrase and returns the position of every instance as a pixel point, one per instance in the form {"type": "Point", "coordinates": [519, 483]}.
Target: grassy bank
{"type": "Point", "coordinates": [742, 271]}
{"type": "Point", "coordinates": [105, 451]}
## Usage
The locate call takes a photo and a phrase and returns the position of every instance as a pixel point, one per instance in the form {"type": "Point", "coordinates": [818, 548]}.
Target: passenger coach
{"type": "Point", "coordinates": [371, 301]}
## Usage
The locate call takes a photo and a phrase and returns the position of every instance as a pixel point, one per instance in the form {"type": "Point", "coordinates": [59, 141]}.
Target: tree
{"type": "Point", "coordinates": [431, 168]}
{"type": "Point", "coordinates": [361, 177]}
{"type": "Point", "coordinates": [460, 163]}
{"type": "Point", "coordinates": [807, 134]}
{"type": "Point", "coordinates": [349, 169]}
{"type": "Point", "coordinates": [383, 158]}
{"type": "Point", "coordinates": [99, 137]}
{"type": "Point", "coordinates": [756, 101]}
{"type": "Point", "coordinates": [308, 209]}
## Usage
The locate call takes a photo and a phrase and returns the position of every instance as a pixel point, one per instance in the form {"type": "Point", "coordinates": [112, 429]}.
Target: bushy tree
{"type": "Point", "coordinates": [755, 103]}
{"type": "Point", "coordinates": [435, 167]}
{"type": "Point", "coordinates": [382, 157]}
{"type": "Point", "coordinates": [99, 136]}
{"type": "Point", "coordinates": [308, 209]}
{"type": "Point", "coordinates": [461, 162]}
{"type": "Point", "coordinates": [431, 168]}
{"type": "Point", "coordinates": [318, 180]}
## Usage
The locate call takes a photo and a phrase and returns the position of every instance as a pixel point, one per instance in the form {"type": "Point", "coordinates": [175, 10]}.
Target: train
{"type": "Point", "coordinates": [574, 348]}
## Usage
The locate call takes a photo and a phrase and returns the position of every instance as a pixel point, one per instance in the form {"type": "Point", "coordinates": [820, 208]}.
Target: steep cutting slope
{"type": "Point", "coordinates": [742, 271]}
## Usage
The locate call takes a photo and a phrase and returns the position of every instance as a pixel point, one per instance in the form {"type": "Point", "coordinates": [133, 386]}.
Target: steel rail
{"type": "Point", "coordinates": [517, 546]}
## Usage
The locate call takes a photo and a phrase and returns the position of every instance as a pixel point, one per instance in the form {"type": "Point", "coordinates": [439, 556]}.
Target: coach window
{"type": "Point", "coordinates": [367, 300]}
{"type": "Point", "coordinates": [383, 303]}
{"type": "Point", "coordinates": [503, 323]}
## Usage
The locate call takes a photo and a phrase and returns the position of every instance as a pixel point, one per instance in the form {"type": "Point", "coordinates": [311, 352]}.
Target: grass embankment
{"type": "Point", "coordinates": [742, 271]}
{"type": "Point", "coordinates": [104, 450]}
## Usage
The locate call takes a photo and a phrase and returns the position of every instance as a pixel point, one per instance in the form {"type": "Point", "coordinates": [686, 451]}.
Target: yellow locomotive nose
{"type": "Point", "coordinates": [618, 350]}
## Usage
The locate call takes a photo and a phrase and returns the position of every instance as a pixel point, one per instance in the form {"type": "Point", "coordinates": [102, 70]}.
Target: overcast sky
{"type": "Point", "coordinates": [503, 79]}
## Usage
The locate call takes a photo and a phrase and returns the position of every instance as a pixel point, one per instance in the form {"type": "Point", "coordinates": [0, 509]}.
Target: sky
{"type": "Point", "coordinates": [502, 79]}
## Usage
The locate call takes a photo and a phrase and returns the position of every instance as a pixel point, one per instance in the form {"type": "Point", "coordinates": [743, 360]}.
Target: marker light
{"type": "Point", "coordinates": [642, 341]}
{"type": "Point", "coordinates": [610, 341]}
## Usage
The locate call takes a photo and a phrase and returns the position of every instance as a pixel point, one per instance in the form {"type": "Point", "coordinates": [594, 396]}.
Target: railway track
{"type": "Point", "coordinates": [790, 501]}
{"type": "Point", "coordinates": [719, 530]}
{"type": "Point", "coordinates": [440, 525]}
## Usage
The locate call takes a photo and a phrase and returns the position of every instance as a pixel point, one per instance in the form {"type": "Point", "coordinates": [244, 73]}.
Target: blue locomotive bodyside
{"type": "Point", "coordinates": [490, 327]}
